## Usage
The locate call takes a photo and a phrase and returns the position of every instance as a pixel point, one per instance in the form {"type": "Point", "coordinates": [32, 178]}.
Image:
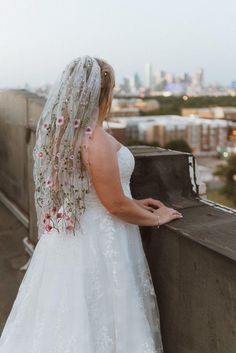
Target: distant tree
{"type": "Point", "coordinates": [228, 174]}
{"type": "Point", "coordinates": [178, 145]}
{"type": "Point", "coordinates": [174, 104]}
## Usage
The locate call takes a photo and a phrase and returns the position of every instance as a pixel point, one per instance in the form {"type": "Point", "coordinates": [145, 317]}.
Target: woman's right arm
{"type": "Point", "coordinates": [105, 176]}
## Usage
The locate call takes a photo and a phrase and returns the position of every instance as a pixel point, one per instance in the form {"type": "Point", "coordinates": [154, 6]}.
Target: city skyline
{"type": "Point", "coordinates": [142, 78]}
{"type": "Point", "coordinates": [161, 80]}
{"type": "Point", "coordinates": [141, 74]}
{"type": "Point", "coordinates": [37, 39]}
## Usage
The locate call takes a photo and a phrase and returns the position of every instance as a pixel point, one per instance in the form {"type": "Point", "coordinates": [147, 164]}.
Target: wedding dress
{"type": "Point", "coordinates": [90, 293]}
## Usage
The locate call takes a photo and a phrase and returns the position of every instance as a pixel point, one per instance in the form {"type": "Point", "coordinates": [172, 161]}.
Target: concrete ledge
{"type": "Point", "coordinates": [192, 260]}
{"type": "Point", "coordinates": [14, 209]}
{"type": "Point", "coordinates": [12, 258]}
{"type": "Point", "coordinates": [165, 175]}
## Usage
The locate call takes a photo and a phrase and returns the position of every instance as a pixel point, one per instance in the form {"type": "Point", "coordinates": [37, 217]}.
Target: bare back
{"type": "Point", "coordinates": [103, 167]}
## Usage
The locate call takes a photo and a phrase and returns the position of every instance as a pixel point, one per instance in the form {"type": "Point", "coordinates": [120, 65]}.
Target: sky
{"type": "Point", "coordinates": [38, 38]}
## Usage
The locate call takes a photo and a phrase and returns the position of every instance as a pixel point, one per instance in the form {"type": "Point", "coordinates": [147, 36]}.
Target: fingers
{"type": "Point", "coordinates": [146, 207]}
{"type": "Point", "coordinates": [156, 203]}
{"type": "Point", "coordinates": [175, 211]}
{"type": "Point", "coordinates": [149, 208]}
{"type": "Point", "coordinates": [176, 214]}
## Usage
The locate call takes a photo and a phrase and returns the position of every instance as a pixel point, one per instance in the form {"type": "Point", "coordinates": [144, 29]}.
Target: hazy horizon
{"type": "Point", "coordinates": [37, 39]}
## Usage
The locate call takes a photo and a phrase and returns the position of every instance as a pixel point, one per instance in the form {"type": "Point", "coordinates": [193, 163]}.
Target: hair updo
{"type": "Point", "coordinates": [107, 86]}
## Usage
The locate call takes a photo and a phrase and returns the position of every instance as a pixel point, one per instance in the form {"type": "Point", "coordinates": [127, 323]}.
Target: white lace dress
{"type": "Point", "coordinates": [90, 293]}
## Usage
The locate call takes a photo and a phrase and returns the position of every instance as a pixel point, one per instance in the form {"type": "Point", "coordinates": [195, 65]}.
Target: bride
{"type": "Point", "coordinates": [88, 287]}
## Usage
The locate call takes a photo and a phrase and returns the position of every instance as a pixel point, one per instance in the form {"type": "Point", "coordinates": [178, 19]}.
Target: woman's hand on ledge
{"type": "Point", "coordinates": [149, 203]}
{"type": "Point", "coordinates": [166, 214]}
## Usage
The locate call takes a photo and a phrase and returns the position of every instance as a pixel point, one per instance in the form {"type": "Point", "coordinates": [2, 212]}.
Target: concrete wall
{"type": "Point", "coordinates": [192, 260]}
{"type": "Point", "coordinates": [196, 290]}
{"type": "Point", "coordinates": [13, 148]}
{"type": "Point", "coordinates": [19, 113]}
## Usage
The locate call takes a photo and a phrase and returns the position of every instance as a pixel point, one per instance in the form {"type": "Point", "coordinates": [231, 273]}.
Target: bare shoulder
{"type": "Point", "coordinates": [99, 134]}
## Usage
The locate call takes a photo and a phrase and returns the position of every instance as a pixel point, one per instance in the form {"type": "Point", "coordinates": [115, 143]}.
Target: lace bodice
{"type": "Point", "coordinates": [126, 163]}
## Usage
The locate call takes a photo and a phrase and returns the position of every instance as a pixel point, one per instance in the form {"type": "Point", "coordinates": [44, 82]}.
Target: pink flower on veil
{"type": "Point", "coordinates": [69, 227]}
{"type": "Point", "coordinates": [54, 209]}
{"type": "Point", "coordinates": [88, 131]}
{"type": "Point", "coordinates": [60, 120]}
{"type": "Point", "coordinates": [48, 183]}
{"type": "Point", "coordinates": [59, 215]}
{"type": "Point", "coordinates": [76, 123]}
{"type": "Point", "coordinates": [48, 227]}
{"type": "Point", "coordinates": [40, 154]}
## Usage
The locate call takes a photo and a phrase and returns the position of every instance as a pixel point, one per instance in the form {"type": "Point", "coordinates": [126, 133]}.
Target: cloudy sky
{"type": "Point", "coordinates": [39, 37]}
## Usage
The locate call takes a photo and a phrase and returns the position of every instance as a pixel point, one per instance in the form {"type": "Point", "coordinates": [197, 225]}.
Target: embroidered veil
{"type": "Point", "coordinates": [67, 122]}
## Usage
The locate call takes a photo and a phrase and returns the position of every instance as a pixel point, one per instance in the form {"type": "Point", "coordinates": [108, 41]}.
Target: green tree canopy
{"type": "Point", "coordinates": [228, 174]}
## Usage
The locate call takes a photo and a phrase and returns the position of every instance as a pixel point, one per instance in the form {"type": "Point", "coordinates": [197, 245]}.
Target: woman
{"type": "Point", "coordinates": [88, 287]}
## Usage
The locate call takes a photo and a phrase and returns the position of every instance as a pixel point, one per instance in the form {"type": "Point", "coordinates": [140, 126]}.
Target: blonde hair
{"type": "Point", "coordinates": [107, 86]}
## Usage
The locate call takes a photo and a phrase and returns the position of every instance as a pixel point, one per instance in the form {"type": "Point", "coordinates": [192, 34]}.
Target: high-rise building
{"type": "Point", "coordinates": [169, 78]}
{"type": "Point", "coordinates": [158, 77]}
{"type": "Point", "coordinates": [187, 78]}
{"type": "Point", "coordinates": [126, 85]}
{"type": "Point", "coordinates": [198, 79]}
{"type": "Point", "coordinates": [148, 76]}
{"type": "Point", "coordinates": [137, 82]}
